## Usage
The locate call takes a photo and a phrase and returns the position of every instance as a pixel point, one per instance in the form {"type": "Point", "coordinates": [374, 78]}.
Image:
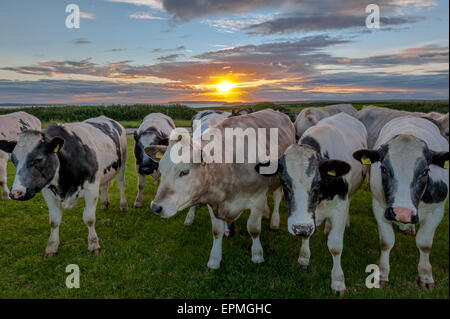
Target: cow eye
{"type": "Point", "coordinates": [36, 161]}
{"type": "Point", "coordinates": [426, 172]}
{"type": "Point", "coordinates": [184, 172]}
{"type": "Point", "coordinates": [384, 170]}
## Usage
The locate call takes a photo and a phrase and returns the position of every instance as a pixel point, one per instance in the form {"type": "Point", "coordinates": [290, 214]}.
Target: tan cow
{"type": "Point", "coordinates": [227, 188]}
{"type": "Point", "coordinates": [310, 116]}
{"type": "Point", "coordinates": [10, 127]}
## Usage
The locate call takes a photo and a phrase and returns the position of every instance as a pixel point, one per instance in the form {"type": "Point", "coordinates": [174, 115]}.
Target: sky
{"type": "Point", "coordinates": [157, 51]}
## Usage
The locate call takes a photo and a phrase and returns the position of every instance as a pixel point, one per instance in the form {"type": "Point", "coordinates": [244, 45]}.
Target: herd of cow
{"type": "Point", "coordinates": [322, 158]}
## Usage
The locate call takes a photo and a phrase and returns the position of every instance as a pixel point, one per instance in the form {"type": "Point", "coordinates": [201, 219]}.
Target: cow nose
{"type": "Point", "coordinates": [156, 209]}
{"type": "Point", "coordinates": [403, 215]}
{"type": "Point", "coordinates": [303, 230]}
{"type": "Point", "coordinates": [145, 170]}
{"type": "Point", "coordinates": [16, 193]}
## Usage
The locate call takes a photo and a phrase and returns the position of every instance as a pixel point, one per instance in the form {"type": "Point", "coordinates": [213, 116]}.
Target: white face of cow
{"type": "Point", "coordinates": [181, 183]}
{"type": "Point", "coordinates": [404, 166]}
{"type": "Point", "coordinates": [306, 179]}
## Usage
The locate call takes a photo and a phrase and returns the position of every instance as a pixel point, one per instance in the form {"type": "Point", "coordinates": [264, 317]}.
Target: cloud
{"type": "Point", "coordinates": [160, 50]}
{"type": "Point", "coordinates": [87, 15]}
{"type": "Point", "coordinates": [236, 23]}
{"type": "Point", "coordinates": [145, 16]}
{"type": "Point", "coordinates": [79, 41]}
{"type": "Point", "coordinates": [116, 50]}
{"type": "Point", "coordinates": [170, 58]}
{"type": "Point", "coordinates": [152, 4]}
{"type": "Point", "coordinates": [299, 22]}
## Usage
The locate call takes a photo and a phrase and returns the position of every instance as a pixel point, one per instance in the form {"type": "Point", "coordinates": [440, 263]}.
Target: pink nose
{"type": "Point", "coordinates": [17, 193]}
{"type": "Point", "coordinates": [403, 214]}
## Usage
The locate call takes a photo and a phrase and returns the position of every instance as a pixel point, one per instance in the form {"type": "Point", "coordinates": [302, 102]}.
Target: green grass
{"type": "Point", "coordinates": [144, 256]}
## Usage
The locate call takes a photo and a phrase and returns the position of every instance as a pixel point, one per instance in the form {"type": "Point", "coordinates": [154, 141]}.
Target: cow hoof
{"type": "Point", "coordinates": [426, 285]}
{"type": "Point", "coordinates": [274, 228]}
{"type": "Point", "coordinates": [104, 206]}
{"type": "Point", "coordinates": [338, 293]}
{"type": "Point", "coordinates": [124, 208]}
{"type": "Point", "coordinates": [304, 262]}
{"type": "Point", "coordinates": [53, 254]}
{"type": "Point", "coordinates": [257, 259]}
{"type": "Point", "coordinates": [137, 205]}
{"type": "Point", "coordinates": [213, 264]}
{"type": "Point", "coordinates": [384, 283]}
{"type": "Point", "coordinates": [96, 251]}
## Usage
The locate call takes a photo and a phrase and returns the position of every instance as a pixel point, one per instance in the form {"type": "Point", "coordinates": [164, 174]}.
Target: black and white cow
{"type": "Point", "coordinates": [10, 127]}
{"type": "Point", "coordinates": [68, 162]}
{"type": "Point", "coordinates": [409, 184]}
{"type": "Point", "coordinates": [319, 177]}
{"type": "Point", "coordinates": [154, 130]}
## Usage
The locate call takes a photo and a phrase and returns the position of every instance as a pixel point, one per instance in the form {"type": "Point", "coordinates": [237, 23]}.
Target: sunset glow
{"type": "Point", "coordinates": [225, 87]}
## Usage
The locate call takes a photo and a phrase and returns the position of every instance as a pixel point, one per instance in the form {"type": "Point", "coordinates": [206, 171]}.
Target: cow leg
{"type": "Point", "coordinates": [104, 196]}
{"type": "Point", "coordinates": [218, 229]}
{"type": "Point", "coordinates": [254, 229]}
{"type": "Point", "coordinates": [338, 220]}
{"type": "Point", "coordinates": [266, 212]}
{"type": "Point", "coordinates": [424, 241]}
{"type": "Point", "coordinates": [387, 240]}
{"type": "Point", "coordinates": [277, 197]}
{"type": "Point", "coordinates": [305, 253]}
{"type": "Point", "coordinates": [138, 203]}
{"type": "Point", "coordinates": [55, 216]}
{"type": "Point", "coordinates": [121, 184]}
{"type": "Point", "coordinates": [3, 176]}
{"type": "Point", "coordinates": [91, 199]}
{"type": "Point", "coordinates": [190, 216]}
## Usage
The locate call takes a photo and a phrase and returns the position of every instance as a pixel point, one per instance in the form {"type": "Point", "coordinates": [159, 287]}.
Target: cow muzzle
{"type": "Point", "coordinates": [402, 215]}
{"type": "Point", "coordinates": [17, 194]}
{"type": "Point", "coordinates": [145, 170]}
{"type": "Point", "coordinates": [303, 230]}
{"type": "Point", "coordinates": [156, 209]}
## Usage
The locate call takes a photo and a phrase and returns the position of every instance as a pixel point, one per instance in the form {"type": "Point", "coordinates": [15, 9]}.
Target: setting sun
{"type": "Point", "coordinates": [225, 87]}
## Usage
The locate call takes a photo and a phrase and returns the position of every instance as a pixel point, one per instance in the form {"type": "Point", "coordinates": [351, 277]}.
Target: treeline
{"type": "Point", "coordinates": [117, 112]}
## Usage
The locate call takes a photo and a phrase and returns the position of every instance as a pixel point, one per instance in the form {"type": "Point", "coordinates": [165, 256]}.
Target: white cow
{"type": "Point", "coordinates": [68, 162]}
{"type": "Point", "coordinates": [409, 184]}
{"type": "Point", "coordinates": [312, 115]}
{"type": "Point", "coordinates": [319, 177]}
{"type": "Point", "coordinates": [10, 127]}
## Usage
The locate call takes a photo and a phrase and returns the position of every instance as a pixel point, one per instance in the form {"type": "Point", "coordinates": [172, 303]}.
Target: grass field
{"type": "Point", "coordinates": [144, 256]}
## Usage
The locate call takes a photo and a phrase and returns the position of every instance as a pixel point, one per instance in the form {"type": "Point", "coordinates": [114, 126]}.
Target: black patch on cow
{"type": "Point", "coordinates": [419, 182]}
{"type": "Point", "coordinates": [77, 162]}
{"type": "Point", "coordinates": [146, 165]}
{"type": "Point", "coordinates": [311, 141]}
{"type": "Point", "coordinates": [286, 183]}
{"type": "Point", "coordinates": [114, 135]}
{"type": "Point", "coordinates": [3, 134]}
{"type": "Point", "coordinates": [388, 181]}
{"type": "Point", "coordinates": [436, 192]}
{"type": "Point", "coordinates": [331, 187]}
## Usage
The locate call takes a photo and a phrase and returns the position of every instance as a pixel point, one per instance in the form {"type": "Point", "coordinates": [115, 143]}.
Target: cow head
{"type": "Point", "coordinates": [304, 174]}
{"type": "Point", "coordinates": [182, 183]}
{"type": "Point", "coordinates": [404, 164]}
{"type": "Point", "coordinates": [36, 161]}
{"type": "Point", "coordinates": [145, 165]}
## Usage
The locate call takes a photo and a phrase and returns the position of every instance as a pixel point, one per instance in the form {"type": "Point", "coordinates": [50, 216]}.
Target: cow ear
{"type": "Point", "coordinates": [440, 159]}
{"type": "Point", "coordinates": [135, 135]}
{"type": "Point", "coordinates": [311, 118]}
{"type": "Point", "coordinates": [7, 146]}
{"type": "Point", "coordinates": [367, 157]}
{"type": "Point", "coordinates": [55, 144]}
{"type": "Point", "coordinates": [333, 168]}
{"type": "Point", "coordinates": [155, 152]}
{"type": "Point", "coordinates": [267, 168]}
{"type": "Point", "coordinates": [164, 141]}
